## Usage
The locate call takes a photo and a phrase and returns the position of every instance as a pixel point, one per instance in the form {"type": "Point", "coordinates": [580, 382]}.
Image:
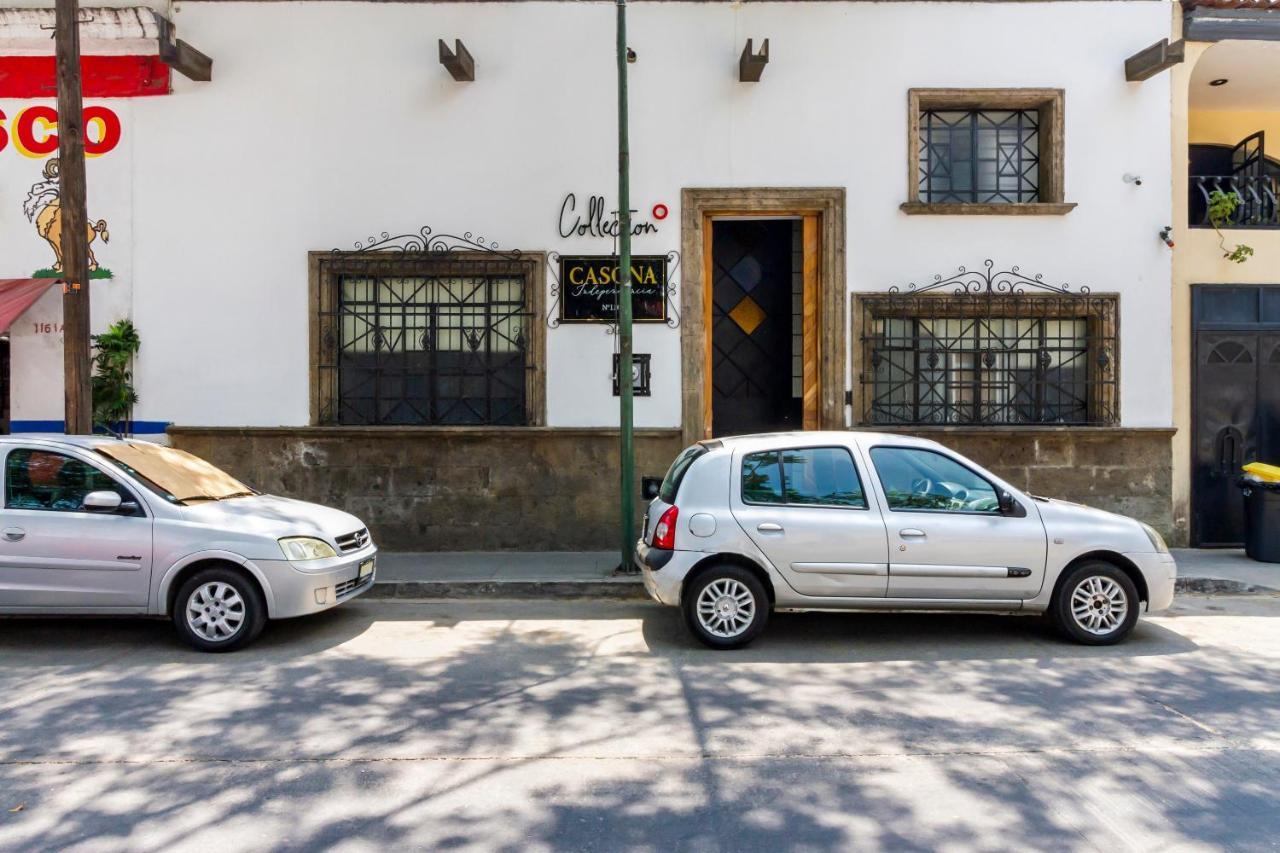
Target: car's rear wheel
{"type": "Point", "coordinates": [1097, 604]}
{"type": "Point", "coordinates": [726, 607]}
{"type": "Point", "coordinates": [218, 610]}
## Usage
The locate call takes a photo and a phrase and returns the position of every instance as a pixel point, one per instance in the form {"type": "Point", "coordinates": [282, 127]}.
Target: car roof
{"type": "Point", "coordinates": [86, 442]}
{"type": "Point", "coordinates": [812, 438]}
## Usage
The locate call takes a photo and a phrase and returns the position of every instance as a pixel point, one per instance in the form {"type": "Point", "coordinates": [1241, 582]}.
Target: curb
{"type": "Point", "coordinates": [1220, 586]}
{"type": "Point", "coordinates": [631, 589]}
{"type": "Point", "coordinates": [622, 589]}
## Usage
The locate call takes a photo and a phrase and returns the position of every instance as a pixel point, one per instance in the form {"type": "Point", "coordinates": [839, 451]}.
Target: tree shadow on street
{"type": "Point", "coordinates": [497, 725]}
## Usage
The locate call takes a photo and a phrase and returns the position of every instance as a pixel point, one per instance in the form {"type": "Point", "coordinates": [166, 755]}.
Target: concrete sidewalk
{"type": "Point", "coordinates": [591, 574]}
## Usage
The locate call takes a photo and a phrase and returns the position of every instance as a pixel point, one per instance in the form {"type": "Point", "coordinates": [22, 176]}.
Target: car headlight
{"type": "Point", "coordinates": [1157, 541]}
{"type": "Point", "coordinates": [300, 549]}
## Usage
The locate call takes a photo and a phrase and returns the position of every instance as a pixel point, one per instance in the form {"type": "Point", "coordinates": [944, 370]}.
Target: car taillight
{"type": "Point", "coordinates": [664, 534]}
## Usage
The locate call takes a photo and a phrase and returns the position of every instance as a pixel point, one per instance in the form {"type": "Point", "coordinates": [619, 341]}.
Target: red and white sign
{"type": "Point", "coordinates": [119, 54]}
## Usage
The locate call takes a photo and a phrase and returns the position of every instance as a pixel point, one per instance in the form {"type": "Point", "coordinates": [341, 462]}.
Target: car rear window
{"type": "Point", "coordinates": [808, 476]}
{"type": "Point", "coordinates": [671, 483]}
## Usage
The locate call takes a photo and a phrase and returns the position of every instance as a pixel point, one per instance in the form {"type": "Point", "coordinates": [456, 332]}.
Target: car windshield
{"type": "Point", "coordinates": [173, 474]}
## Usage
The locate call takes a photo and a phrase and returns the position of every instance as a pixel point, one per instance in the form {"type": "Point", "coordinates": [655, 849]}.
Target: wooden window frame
{"type": "Point", "coordinates": [324, 267]}
{"type": "Point", "coordinates": [1051, 106]}
{"type": "Point", "coordinates": [822, 210]}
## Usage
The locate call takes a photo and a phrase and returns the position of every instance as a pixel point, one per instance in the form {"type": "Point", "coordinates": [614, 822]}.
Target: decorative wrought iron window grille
{"type": "Point", "coordinates": [427, 330]}
{"type": "Point", "coordinates": [984, 348]}
{"type": "Point", "coordinates": [979, 156]}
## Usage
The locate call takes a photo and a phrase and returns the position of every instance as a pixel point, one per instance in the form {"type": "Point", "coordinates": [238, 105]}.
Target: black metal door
{"type": "Point", "coordinates": [1269, 398]}
{"type": "Point", "coordinates": [751, 327]}
{"type": "Point", "coordinates": [1226, 435]}
{"type": "Point", "coordinates": [1235, 402]}
{"type": "Point", "coordinates": [1249, 155]}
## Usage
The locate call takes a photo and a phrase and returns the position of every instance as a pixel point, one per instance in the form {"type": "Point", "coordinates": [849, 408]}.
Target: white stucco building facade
{"type": "Point", "coordinates": [327, 123]}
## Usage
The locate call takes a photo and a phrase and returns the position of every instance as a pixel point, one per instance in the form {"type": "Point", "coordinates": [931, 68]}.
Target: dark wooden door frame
{"type": "Point", "coordinates": [697, 207]}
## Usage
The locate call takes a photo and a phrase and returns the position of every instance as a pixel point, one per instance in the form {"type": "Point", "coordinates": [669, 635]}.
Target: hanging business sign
{"type": "Point", "coordinates": [590, 286]}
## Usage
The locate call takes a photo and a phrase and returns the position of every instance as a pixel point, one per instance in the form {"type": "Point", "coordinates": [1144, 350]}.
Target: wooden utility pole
{"type": "Point", "coordinates": [75, 227]}
{"type": "Point", "coordinates": [626, 445]}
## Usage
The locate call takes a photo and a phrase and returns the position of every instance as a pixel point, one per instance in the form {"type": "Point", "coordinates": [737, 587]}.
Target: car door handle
{"type": "Point", "coordinates": [911, 533]}
{"type": "Point", "coordinates": [769, 527]}
{"type": "Point", "coordinates": [14, 534]}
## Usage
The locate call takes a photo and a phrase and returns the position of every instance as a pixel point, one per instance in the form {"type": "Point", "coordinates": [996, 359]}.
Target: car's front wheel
{"type": "Point", "coordinates": [218, 610]}
{"type": "Point", "coordinates": [1097, 604]}
{"type": "Point", "coordinates": [726, 607]}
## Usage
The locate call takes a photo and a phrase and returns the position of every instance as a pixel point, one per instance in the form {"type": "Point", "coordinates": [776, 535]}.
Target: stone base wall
{"type": "Point", "coordinates": [541, 488]}
{"type": "Point", "coordinates": [1129, 471]}
{"type": "Point", "coordinates": [446, 489]}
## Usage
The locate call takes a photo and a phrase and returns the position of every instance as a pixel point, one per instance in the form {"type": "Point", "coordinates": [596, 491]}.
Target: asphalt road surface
{"type": "Point", "coordinates": [602, 726]}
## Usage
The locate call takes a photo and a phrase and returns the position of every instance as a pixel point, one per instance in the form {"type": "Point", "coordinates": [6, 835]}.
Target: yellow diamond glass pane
{"type": "Point", "coordinates": [747, 314]}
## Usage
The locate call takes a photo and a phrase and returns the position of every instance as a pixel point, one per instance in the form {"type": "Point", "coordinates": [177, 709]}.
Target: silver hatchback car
{"type": "Point", "coordinates": [744, 526]}
{"type": "Point", "coordinates": [104, 526]}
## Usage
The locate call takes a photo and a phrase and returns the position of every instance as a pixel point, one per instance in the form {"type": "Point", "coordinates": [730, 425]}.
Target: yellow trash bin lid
{"type": "Point", "coordinates": [1265, 473]}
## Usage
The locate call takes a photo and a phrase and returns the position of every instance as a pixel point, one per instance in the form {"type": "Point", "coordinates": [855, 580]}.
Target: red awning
{"type": "Point", "coordinates": [17, 295]}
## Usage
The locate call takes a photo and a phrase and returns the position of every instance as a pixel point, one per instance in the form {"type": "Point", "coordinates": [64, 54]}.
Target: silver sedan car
{"type": "Point", "coordinates": [744, 526]}
{"type": "Point", "coordinates": [105, 526]}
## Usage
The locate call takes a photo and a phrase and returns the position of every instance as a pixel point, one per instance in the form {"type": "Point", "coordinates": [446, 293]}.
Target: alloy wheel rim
{"type": "Point", "coordinates": [215, 611]}
{"type": "Point", "coordinates": [726, 608]}
{"type": "Point", "coordinates": [1099, 605]}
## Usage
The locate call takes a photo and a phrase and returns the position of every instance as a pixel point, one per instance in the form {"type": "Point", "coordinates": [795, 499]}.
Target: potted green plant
{"type": "Point", "coordinates": [113, 393]}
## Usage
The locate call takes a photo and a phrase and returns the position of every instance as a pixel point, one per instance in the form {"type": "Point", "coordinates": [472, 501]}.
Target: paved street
{"type": "Point", "coordinates": [595, 725]}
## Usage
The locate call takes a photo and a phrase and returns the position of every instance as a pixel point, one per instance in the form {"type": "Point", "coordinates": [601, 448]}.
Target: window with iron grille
{"type": "Point", "coordinates": [427, 339]}
{"type": "Point", "coordinates": [979, 156]}
{"type": "Point", "coordinates": [989, 359]}
{"type": "Point", "coordinates": [986, 152]}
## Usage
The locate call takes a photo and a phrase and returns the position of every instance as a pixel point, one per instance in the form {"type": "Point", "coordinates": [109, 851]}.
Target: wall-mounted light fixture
{"type": "Point", "coordinates": [751, 64]}
{"type": "Point", "coordinates": [458, 61]}
{"type": "Point", "coordinates": [1166, 234]}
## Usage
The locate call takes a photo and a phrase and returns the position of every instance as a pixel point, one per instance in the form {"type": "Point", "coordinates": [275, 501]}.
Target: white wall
{"type": "Point", "coordinates": [35, 338]}
{"type": "Point", "coordinates": [328, 122]}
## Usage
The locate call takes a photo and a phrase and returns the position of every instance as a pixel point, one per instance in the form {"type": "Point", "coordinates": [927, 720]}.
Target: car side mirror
{"type": "Point", "coordinates": [103, 501]}
{"type": "Point", "coordinates": [1008, 506]}
{"type": "Point", "coordinates": [649, 487]}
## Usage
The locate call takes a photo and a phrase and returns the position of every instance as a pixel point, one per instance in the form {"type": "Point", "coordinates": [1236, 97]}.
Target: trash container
{"type": "Point", "coordinates": [1261, 519]}
{"type": "Point", "coordinates": [1264, 472]}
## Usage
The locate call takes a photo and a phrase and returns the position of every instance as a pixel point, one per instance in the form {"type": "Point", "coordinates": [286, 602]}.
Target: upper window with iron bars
{"type": "Point", "coordinates": [986, 151]}
{"type": "Point", "coordinates": [989, 359]}
{"type": "Point", "coordinates": [423, 338]}
{"type": "Point", "coordinates": [971, 156]}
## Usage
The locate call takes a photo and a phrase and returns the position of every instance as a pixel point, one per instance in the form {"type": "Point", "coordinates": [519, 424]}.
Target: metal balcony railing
{"type": "Point", "coordinates": [1257, 207]}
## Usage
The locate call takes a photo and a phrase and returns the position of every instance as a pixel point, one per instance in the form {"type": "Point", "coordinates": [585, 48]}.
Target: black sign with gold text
{"type": "Point", "coordinates": [589, 288]}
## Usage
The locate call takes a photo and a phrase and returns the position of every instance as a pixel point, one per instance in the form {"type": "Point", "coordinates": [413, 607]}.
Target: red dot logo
{"type": "Point", "coordinates": [660, 211]}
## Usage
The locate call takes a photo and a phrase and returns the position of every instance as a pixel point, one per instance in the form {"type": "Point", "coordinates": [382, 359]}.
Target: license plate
{"type": "Point", "coordinates": [366, 569]}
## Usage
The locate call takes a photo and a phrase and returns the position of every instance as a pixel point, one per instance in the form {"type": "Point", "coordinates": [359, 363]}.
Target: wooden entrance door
{"type": "Point", "coordinates": [824, 359]}
{"type": "Point", "coordinates": [758, 329]}
{"type": "Point", "coordinates": [761, 319]}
